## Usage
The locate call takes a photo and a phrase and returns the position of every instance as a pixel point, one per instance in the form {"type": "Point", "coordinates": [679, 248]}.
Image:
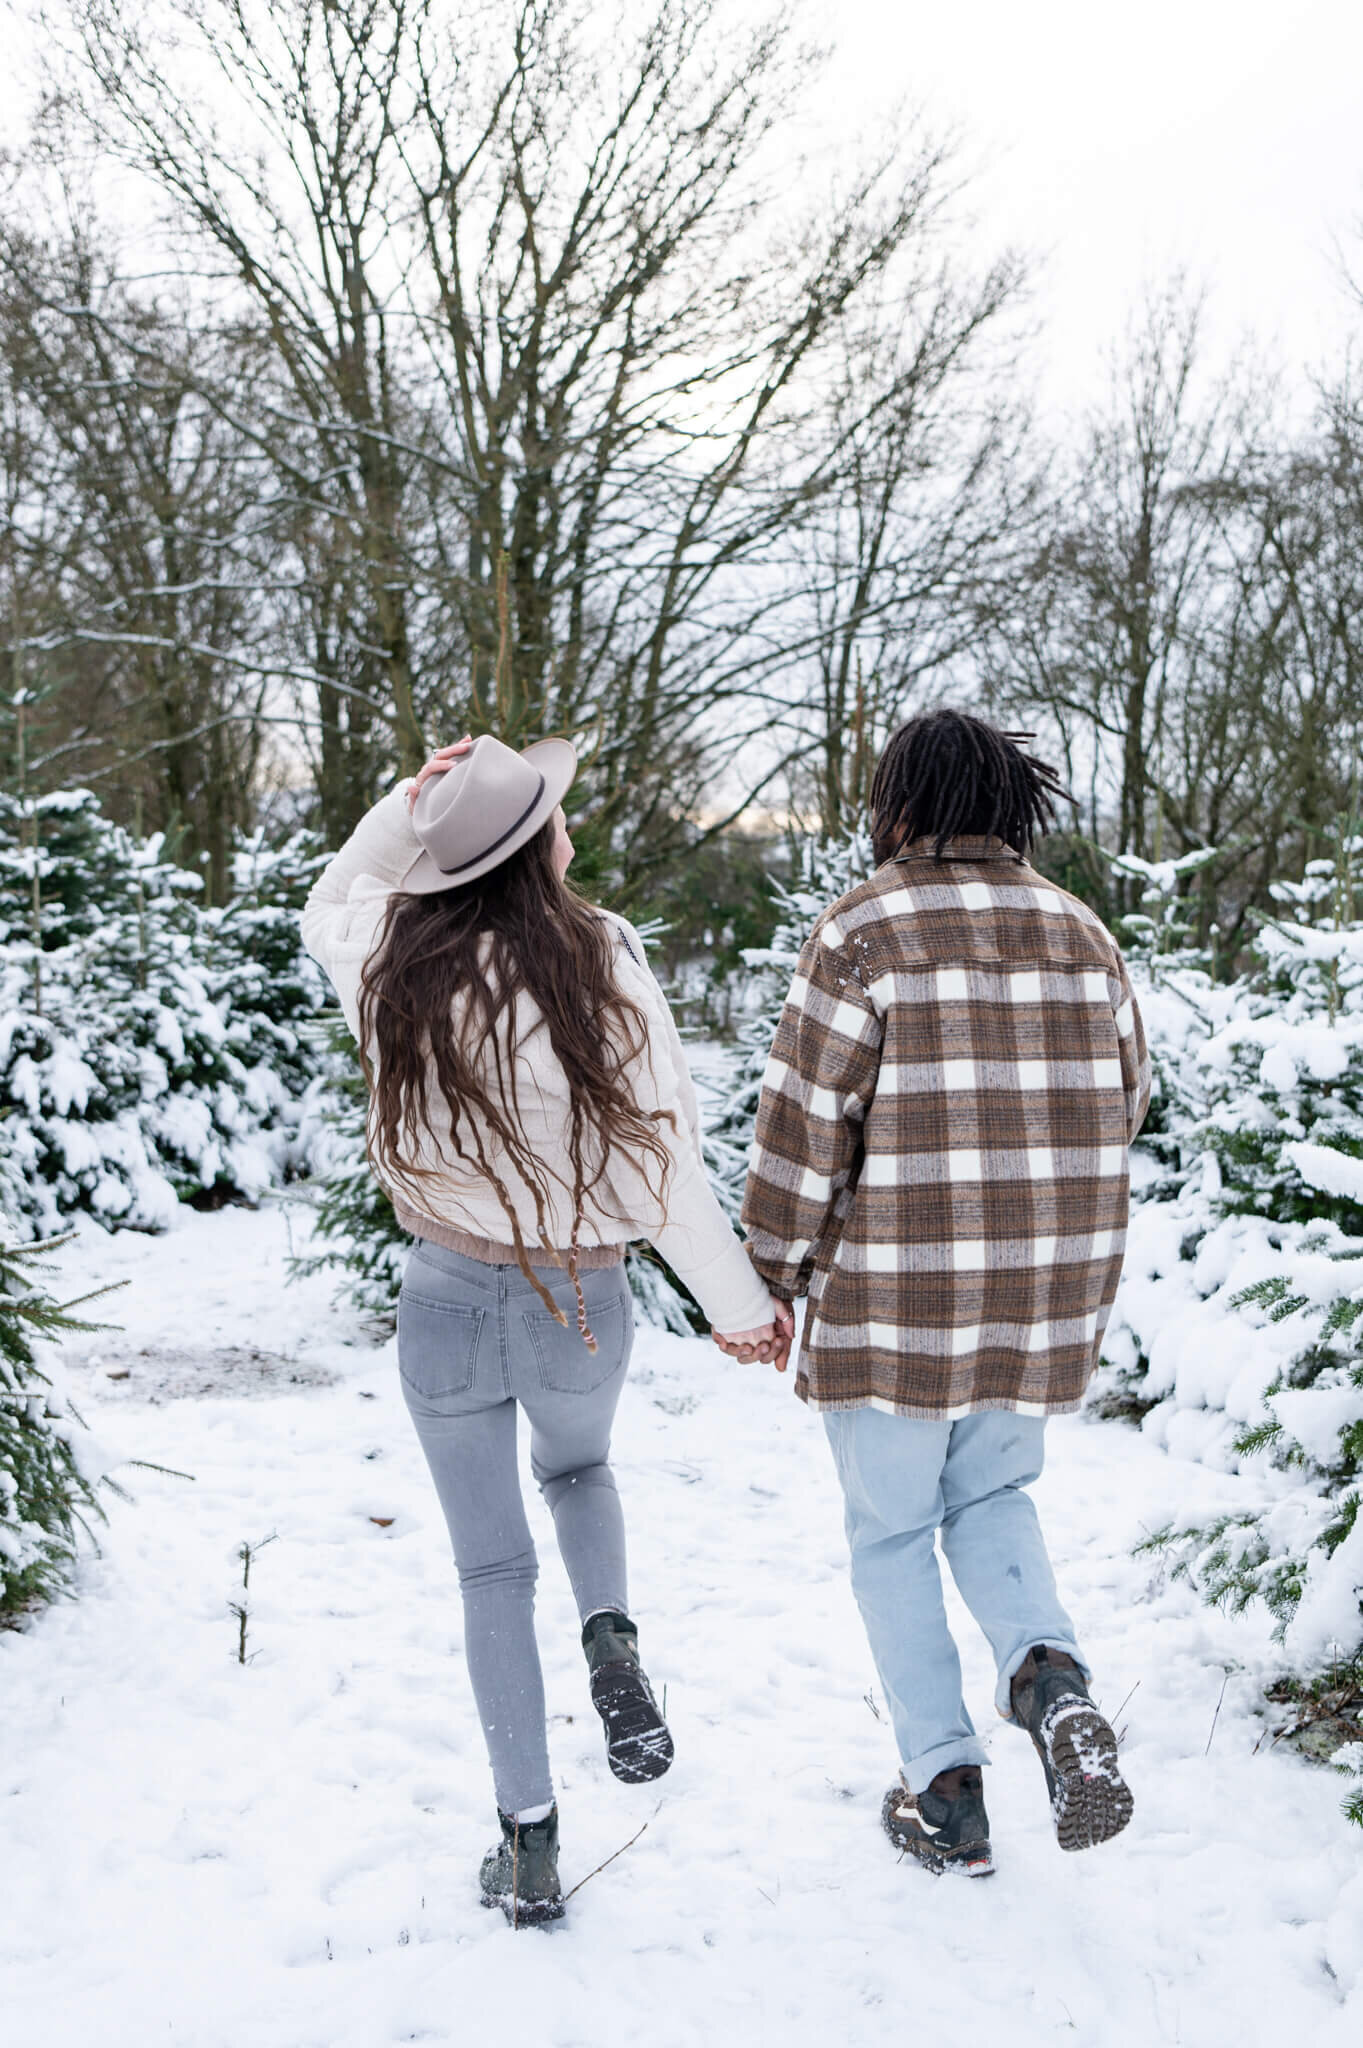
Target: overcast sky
{"type": "Point", "coordinates": [1223, 135]}
{"type": "Point", "coordinates": [1116, 142]}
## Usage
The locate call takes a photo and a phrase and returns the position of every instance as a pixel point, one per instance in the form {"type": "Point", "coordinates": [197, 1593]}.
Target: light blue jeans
{"type": "Point", "coordinates": [902, 1482]}
{"type": "Point", "coordinates": [476, 1347]}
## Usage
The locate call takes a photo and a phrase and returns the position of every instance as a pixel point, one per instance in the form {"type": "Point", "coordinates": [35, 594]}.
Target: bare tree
{"type": "Point", "coordinates": [539, 317]}
{"type": "Point", "coordinates": [133, 525]}
{"type": "Point", "coordinates": [1190, 630]}
{"type": "Point", "coordinates": [1104, 635]}
{"type": "Point", "coordinates": [934, 509]}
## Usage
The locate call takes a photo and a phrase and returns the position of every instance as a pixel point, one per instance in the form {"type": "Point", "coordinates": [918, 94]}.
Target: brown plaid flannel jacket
{"type": "Point", "coordinates": [941, 1149]}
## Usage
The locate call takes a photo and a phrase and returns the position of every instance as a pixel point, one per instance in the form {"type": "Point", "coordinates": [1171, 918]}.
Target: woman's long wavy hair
{"type": "Point", "coordinates": [437, 1002]}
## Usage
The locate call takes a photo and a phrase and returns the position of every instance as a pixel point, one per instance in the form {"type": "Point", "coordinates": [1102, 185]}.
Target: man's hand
{"type": "Point", "coordinates": [770, 1344]}
{"type": "Point", "coordinates": [441, 759]}
{"type": "Point", "coordinates": [749, 1344]}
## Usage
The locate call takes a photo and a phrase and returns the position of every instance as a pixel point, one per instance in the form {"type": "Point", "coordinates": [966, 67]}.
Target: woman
{"type": "Point", "coordinates": [531, 1112]}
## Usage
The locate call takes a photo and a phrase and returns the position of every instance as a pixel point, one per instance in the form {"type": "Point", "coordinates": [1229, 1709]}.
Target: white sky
{"type": "Point", "coordinates": [1114, 141]}
{"type": "Point", "coordinates": [1121, 141]}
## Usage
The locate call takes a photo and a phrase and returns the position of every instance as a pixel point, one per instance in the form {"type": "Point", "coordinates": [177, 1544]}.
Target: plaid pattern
{"type": "Point", "coordinates": [941, 1151]}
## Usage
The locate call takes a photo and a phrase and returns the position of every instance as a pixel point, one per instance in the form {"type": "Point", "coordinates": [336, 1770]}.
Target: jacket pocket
{"type": "Point", "coordinates": [437, 1344]}
{"type": "Point", "coordinates": [565, 1364]}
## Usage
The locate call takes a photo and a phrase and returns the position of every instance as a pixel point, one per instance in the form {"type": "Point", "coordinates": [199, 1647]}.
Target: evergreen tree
{"type": "Point", "coordinates": [355, 1232]}
{"type": "Point", "coordinates": [150, 1051]}
{"type": "Point", "coordinates": [1175, 987]}
{"type": "Point", "coordinates": [266, 985]}
{"type": "Point", "coordinates": [1280, 1145]}
{"type": "Point", "coordinates": [1286, 1087]}
{"type": "Point", "coordinates": [824, 871]}
{"type": "Point", "coordinates": [47, 1479]}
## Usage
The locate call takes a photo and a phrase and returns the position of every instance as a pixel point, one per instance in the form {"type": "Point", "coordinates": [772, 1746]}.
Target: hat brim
{"type": "Point", "coordinates": [556, 761]}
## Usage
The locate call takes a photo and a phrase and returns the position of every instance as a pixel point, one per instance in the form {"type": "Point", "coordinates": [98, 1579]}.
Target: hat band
{"type": "Point", "coordinates": [509, 833]}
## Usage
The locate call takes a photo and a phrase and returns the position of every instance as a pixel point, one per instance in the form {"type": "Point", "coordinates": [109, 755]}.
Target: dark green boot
{"type": "Point", "coordinates": [638, 1746]}
{"type": "Point", "coordinates": [521, 1874]}
{"type": "Point", "coordinates": [1090, 1801]}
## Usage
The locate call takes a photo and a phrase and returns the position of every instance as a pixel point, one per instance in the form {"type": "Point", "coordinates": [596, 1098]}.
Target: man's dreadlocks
{"type": "Point", "coordinates": [946, 773]}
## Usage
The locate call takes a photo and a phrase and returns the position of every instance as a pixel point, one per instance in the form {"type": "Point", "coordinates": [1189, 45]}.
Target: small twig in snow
{"type": "Point", "coordinates": [611, 1858]}
{"type": "Point", "coordinates": [1220, 1696]}
{"type": "Point", "coordinates": [246, 1551]}
{"type": "Point", "coordinates": [1126, 1702]}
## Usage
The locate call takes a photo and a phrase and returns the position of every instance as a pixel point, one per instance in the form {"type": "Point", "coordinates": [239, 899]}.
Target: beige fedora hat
{"type": "Point", "coordinates": [484, 807]}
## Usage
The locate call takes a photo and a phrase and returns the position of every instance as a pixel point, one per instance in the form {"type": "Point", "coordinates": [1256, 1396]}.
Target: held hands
{"type": "Point", "coordinates": [770, 1344]}
{"type": "Point", "coordinates": [441, 759]}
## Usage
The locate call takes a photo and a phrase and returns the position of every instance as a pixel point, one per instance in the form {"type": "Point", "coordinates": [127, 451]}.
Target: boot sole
{"type": "Point", "coordinates": [1090, 1800]}
{"type": "Point", "coordinates": [638, 1744]}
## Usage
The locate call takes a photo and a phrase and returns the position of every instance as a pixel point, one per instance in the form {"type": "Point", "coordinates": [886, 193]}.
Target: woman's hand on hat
{"type": "Point", "coordinates": [441, 759]}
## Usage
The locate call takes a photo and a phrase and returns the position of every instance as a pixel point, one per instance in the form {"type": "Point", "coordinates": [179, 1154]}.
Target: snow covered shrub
{"type": "Point", "coordinates": [150, 1050]}
{"type": "Point", "coordinates": [1180, 1004]}
{"type": "Point", "coordinates": [47, 1478]}
{"type": "Point", "coordinates": [268, 987]}
{"type": "Point", "coordinates": [1238, 1322]}
{"type": "Point", "coordinates": [354, 1225]}
{"type": "Point", "coordinates": [825, 870]}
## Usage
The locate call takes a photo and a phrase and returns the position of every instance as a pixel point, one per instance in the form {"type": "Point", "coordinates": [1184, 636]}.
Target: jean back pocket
{"type": "Point", "coordinates": [437, 1344]}
{"type": "Point", "coordinates": [565, 1364]}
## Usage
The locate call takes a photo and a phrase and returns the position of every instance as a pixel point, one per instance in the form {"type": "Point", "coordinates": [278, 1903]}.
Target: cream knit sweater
{"type": "Point", "coordinates": [341, 922]}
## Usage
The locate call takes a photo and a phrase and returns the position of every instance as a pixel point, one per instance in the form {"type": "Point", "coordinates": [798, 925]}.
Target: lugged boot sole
{"type": "Point", "coordinates": [638, 1743]}
{"type": "Point", "coordinates": [1090, 1800]}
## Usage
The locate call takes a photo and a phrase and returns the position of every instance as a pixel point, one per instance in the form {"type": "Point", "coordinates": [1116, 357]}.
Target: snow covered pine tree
{"type": "Point", "coordinates": [1242, 1306]}
{"type": "Point", "coordinates": [150, 1050]}
{"type": "Point", "coordinates": [47, 1475]}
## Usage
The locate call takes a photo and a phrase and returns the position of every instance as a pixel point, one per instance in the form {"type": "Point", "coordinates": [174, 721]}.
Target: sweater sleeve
{"type": "Point", "coordinates": [378, 853]}
{"type": "Point", "coordinates": [688, 1228]}
{"type": "Point", "coordinates": [820, 1082]}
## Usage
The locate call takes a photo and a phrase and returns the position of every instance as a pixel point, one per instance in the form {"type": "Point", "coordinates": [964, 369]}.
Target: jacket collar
{"type": "Point", "coordinates": [972, 846]}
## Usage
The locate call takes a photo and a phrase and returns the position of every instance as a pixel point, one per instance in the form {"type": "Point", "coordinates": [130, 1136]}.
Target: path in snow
{"type": "Point", "coordinates": [283, 1855]}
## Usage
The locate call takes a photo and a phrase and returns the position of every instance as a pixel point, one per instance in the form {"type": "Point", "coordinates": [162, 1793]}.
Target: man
{"type": "Point", "coordinates": [941, 1166]}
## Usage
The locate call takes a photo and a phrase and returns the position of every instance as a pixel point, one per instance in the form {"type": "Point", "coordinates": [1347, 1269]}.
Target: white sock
{"type": "Point", "coordinates": [528, 1815]}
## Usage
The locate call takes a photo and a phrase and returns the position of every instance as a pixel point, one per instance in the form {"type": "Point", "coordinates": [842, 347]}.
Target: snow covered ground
{"type": "Point", "coordinates": [283, 1854]}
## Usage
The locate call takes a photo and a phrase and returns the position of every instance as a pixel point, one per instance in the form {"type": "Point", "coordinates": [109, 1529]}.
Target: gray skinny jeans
{"type": "Point", "coordinates": [475, 1343]}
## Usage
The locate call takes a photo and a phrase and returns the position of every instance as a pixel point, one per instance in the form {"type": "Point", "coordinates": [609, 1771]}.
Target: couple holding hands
{"type": "Point", "coordinates": [939, 1167]}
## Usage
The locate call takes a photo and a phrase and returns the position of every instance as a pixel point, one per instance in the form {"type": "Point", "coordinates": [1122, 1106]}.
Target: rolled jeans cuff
{"type": "Point", "coordinates": [920, 1771]}
{"type": "Point", "coordinates": [1012, 1664]}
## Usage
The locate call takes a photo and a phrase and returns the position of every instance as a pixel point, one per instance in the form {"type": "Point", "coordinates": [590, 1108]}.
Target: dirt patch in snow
{"type": "Point", "coordinates": [240, 1370]}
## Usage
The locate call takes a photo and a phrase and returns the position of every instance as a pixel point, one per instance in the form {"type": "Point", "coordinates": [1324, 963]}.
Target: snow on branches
{"type": "Point", "coordinates": [1236, 1329]}
{"type": "Point", "coordinates": [152, 1050]}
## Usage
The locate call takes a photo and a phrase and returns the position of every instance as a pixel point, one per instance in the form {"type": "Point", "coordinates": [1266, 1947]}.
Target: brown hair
{"type": "Point", "coordinates": [437, 999]}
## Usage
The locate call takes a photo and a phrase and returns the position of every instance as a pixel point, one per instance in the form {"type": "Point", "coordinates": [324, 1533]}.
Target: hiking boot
{"type": "Point", "coordinates": [521, 1874]}
{"type": "Point", "coordinates": [1078, 1750]}
{"type": "Point", "coordinates": [638, 1746]}
{"type": "Point", "coordinates": [944, 1828]}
